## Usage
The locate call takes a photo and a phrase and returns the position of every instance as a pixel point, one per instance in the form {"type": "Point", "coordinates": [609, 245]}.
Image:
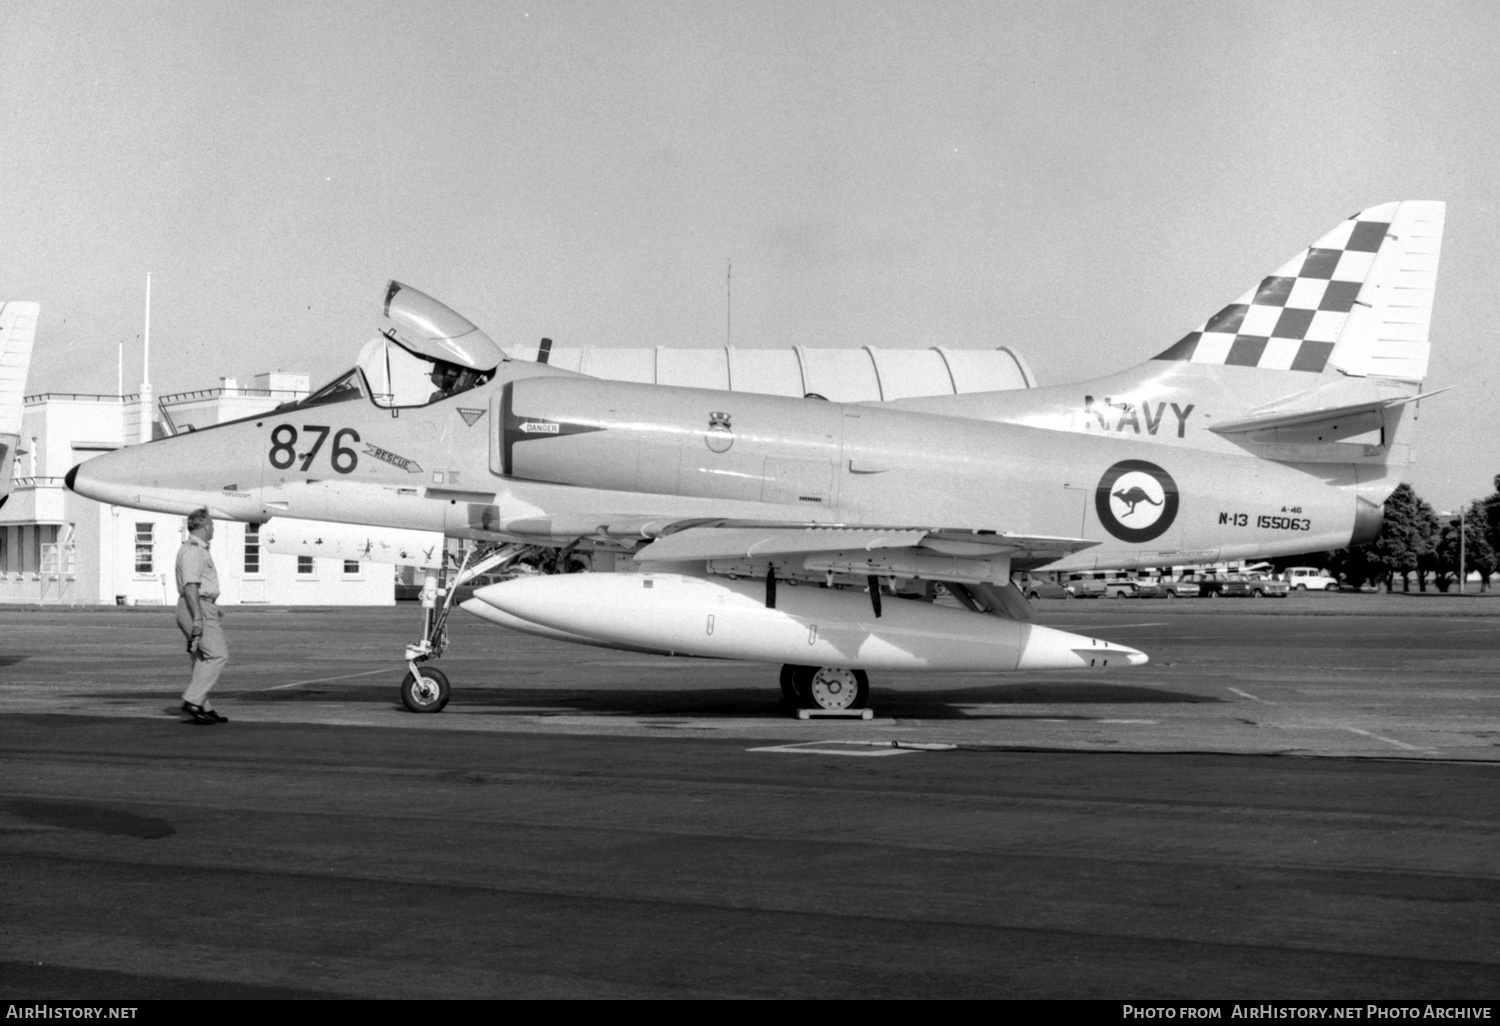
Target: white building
{"type": "Point", "coordinates": [60, 548]}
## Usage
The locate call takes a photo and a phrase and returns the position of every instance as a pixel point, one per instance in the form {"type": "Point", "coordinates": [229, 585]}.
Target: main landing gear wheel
{"type": "Point", "coordinates": [789, 685]}
{"type": "Point", "coordinates": [830, 688]}
{"type": "Point", "coordinates": [427, 693]}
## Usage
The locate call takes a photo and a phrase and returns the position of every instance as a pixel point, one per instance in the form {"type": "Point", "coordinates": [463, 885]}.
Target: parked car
{"type": "Point", "coordinates": [1217, 585]}
{"type": "Point", "coordinates": [1039, 587]}
{"type": "Point", "coordinates": [1266, 586]}
{"type": "Point", "coordinates": [1310, 578]}
{"type": "Point", "coordinates": [1085, 586]}
{"type": "Point", "coordinates": [1165, 587]}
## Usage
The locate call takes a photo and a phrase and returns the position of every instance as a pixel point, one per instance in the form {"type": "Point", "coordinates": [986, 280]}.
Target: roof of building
{"type": "Point", "coordinates": [865, 374]}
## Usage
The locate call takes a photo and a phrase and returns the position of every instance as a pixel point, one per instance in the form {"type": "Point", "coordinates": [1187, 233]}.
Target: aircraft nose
{"type": "Point", "coordinates": [110, 477]}
{"type": "Point", "coordinates": [173, 475]}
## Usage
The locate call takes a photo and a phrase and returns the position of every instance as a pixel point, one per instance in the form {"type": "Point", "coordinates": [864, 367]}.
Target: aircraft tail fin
{"type": "Point", "coordinates": [1359, 300]}
{"type": "Point", "coordinates": [17, 332]}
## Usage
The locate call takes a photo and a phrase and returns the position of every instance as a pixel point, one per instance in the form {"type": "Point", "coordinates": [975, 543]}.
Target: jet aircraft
{"type": "Point", "coordinates": [816, 534]}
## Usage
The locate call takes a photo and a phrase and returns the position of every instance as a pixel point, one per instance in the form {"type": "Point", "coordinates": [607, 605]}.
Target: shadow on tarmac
{"type": "Point", "coordinates": [927, 703]}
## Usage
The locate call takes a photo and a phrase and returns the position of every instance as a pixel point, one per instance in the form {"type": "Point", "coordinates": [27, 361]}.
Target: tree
{"type": "Point", "coordinates": [1482, 536]}
{"type": "Point", "coordinates": [1407, 541]}
{"type": "Point", "coordinates": [1476, 551]}
{"type": "Point", "coordinates": [1354, 566]}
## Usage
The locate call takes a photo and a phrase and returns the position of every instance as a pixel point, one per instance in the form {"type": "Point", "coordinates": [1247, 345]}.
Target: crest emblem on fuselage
{"type": "Point", "coordinates": [719, 437]}
{"type": "Point", "coordinates": [1136, 501]}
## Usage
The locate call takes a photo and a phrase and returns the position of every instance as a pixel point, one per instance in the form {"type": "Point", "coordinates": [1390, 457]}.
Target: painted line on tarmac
{"type": "Point", "coordinates": [1390, 741]}
{"type": "Point", "coordinates": [1246, 694]}
{"type": "Point", "coordinates": [320, 680]}
{"type": "Point", "coordinates": [859, 749]}
{"type": "Point", "coordinates": [1126, 626]}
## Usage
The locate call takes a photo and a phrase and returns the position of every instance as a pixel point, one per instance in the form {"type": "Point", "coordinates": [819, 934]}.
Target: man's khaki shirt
{"type": "Point", "coordinates": [196, 566]}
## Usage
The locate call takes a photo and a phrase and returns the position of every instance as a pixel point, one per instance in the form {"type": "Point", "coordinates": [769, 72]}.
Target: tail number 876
{"type": "Point", "coordinates": [284, 448]}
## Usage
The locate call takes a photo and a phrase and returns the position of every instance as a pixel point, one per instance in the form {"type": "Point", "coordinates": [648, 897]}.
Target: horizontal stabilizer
{"type": "Point", "coordinates": [1336, 419]}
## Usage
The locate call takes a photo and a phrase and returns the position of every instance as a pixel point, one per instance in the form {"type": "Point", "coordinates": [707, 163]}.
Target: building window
{"type": "Point", "coordinates": [48, 553]}
{"type": "Point", "coordinates": [252, 548]}
{"type": "Point", "coordinates": [351, 567]}
{"type": "Point", "coordinates": [4, 550]}
{"type": "Point", "coordinates": [304, 564]}
{"type": "Point", "coordinates": [145, 548]}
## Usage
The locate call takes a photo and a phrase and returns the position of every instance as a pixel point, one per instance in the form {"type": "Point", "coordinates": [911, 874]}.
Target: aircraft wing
{"type": "Point", "coordinates": [921, 552]}
{"type": "Point", "coordinates": [750, 542]}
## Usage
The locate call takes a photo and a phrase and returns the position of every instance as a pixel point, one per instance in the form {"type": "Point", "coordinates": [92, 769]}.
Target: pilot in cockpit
{"type": "Point", "coordinates": [451, 379]}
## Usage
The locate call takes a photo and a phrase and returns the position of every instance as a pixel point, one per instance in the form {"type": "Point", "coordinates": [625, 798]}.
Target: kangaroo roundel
{"type": "Point", "coordinates": [1136, 501]}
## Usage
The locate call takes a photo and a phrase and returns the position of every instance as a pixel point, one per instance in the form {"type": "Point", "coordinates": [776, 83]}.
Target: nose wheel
{"type": "Point", "coordinates": [425, 691]}
{"type": "Point", "coordinates": [825, 688]}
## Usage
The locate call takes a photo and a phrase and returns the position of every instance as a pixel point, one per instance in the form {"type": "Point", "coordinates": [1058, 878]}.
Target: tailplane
{"type": "Point", "coordinates": [17, 332]}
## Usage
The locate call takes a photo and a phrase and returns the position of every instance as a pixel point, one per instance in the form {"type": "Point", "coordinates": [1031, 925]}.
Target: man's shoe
{"type": "Point", "coordinates": [199, 714]}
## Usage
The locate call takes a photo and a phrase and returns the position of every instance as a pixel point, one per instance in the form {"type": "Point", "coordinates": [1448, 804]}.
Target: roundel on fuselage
{"type": "Point", "coordinates": [1136, 501]}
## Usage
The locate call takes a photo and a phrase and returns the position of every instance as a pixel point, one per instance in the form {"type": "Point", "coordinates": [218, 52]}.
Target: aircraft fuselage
{"type": "Point", "coordinates": [543, 455]}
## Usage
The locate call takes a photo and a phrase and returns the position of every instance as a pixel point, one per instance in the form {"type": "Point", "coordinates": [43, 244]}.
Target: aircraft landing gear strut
{"type": "Point", "coordinates": [425, 689]}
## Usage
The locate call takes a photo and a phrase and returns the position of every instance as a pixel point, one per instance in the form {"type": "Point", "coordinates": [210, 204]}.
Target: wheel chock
{"type": "Point", "coordinates": [836, 714]}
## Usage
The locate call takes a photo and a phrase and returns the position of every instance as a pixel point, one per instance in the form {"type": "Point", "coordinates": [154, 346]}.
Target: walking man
{"type": "Point", "coordinates": [198, 617]}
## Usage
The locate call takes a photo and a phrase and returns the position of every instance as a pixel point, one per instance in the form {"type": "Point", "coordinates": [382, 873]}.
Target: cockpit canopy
{"type": "Point", "coordinates": [427, 352]}
{"type": "Point", "coordinates": [422, 325]}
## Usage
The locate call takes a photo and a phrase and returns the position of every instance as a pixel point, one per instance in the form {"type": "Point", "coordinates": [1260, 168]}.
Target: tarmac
{"type": "Point", "coordinates": [1295, 799]}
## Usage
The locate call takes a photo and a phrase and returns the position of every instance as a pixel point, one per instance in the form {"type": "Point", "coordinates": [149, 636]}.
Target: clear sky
{"type": "Point", "coordinates": [1085, 182]}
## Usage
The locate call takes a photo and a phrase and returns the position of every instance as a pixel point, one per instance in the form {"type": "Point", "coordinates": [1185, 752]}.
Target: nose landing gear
{"type": "Point", "coordinates": [424, 689]}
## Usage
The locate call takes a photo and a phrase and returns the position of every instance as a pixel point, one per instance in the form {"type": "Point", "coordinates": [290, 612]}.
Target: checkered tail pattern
{"type": "Point", "coordinates": [1294, 318]}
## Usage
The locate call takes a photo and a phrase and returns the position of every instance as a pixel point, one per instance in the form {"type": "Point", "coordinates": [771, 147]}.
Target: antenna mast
{"type": "Point", "coordinates": [729, 302]}
{"type": "Point", "coordinates": [146, 336]}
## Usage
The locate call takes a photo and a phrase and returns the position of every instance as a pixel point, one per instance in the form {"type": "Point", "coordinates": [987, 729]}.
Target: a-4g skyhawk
{"type": "Point", "coordinates": [814, 534]}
